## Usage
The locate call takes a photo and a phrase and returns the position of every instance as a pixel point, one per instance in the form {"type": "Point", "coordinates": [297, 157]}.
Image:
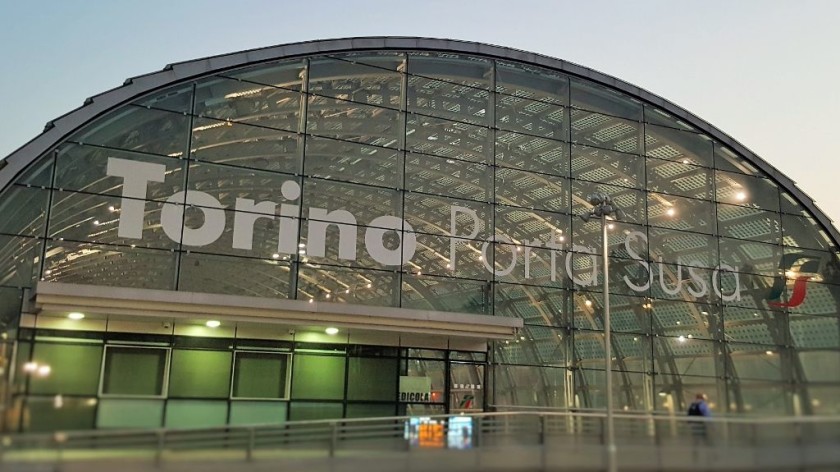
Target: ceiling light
{"type": "Point", "coordinates": [213, 323]}
{"type": "Point", "coordinates": [682, 339]}
{"type": "Point", "coordinates": [44, 370]}
{"type": "Point", "coordinates": [275, 256]}
{"type": "Point", "coordinates": [76, 315]}
{"type": "Point", "coordinates": [670, 212]}
{"type": "Point", "coordinates": [588, 303]}
{"type": "Point", "coordinates": [331, 331]}
{"type": "Point", "coordinates": [741, 196]}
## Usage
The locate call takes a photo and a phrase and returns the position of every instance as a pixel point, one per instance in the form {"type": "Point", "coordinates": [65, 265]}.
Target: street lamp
{"type": "Point", "coordinates": [604, 208]}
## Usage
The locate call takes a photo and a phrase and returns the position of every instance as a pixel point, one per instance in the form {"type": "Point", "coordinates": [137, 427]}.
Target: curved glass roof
{"type": "Point", "coordinates": [445, 175]}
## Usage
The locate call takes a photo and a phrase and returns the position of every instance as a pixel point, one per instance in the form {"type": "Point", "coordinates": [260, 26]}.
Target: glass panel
{"type": "Point", "coordinates": [372, 379]}
{"type": "Point", "coordinates": [94, 264]}
{"type": "Point", "coordinates": [99, 219]}
{"type": "Point", "coordinates": [804, 232]}
{"type": "Point", "coordinates": [691, 249]}
{"type": "Point", "coordinates": [351, 285]}
{"type": "Point", "coordinates": [660, 117]}
{"type": "Point", "coordinates": [435, 215]}
{"type": "Point", "coordinates": [228, 184]}
{"type": "Point", "coordinates": [457, 68]}
{"type": "Point", "coordinates": [364, 203]}
{"type": "Point", "coordinates": [534, 305]}
{"type": "Point", "coordinates": [354, 122]}
{"type": "Point", "coordinates": [751, 257]}
{"type": "Point", "coordinates": [11, 300]}
{"type": "Point", "coordinates": [677, 178]}
{"type": "Point", "coordinates": [604, 131]}
{"type": "Point", "coordinates": [433, 371]}
{"type": "Point", "coordinates": [247, 102]}
{"type": "Point", "coordinates": [39, 173]}
{"type": "Point", "coordinates": [592, 96]}
{"type": "Point", "coordinates": [260, 375]}
{"type": "Point", "coordinates": [536, 118]}
{"type": "Point", "coordinates": [739, 189]}
{"type": "Point", "coordinates": [235, 276]}
{"type": "Point", "coordinates": [370, 410]}
{"type": "Point", "coordinates": [531, 227]}
{"type": "Point", "coordinates": [195, 413]}
{"type": "Point", "coordinates": [466, 393]}
{"type": "Point", "coordinates": [728, 160]}
{"type": "Point", "coordinates": [258, 412]}
{"type": "Point", "coordinates": [317, 377]}
{"type": "Point", "coordinates": [528, 190]}
{"type": "Point", "coordinates": [536, 345]}
{"type": "Point", "coordinates": [134, 371]}
{"type": "Point", "coordinates": [24, 211]}
{"type": "Point", "coordinates": [814, 331]}
{"type": "Point", "coordinates": [204, 374]}
{"type": "Point", "coordinates": [73, 369]}
{"type": "Point", "coordinates": [59, 413]}
{"type": "Point", "coordinates": [308, 411]}
{"type": "Point", "coordinates": [747, 223]}
{"type": "Point", "coordinates": [448, 177]}
{"type": "Point", "coordinates": [526, 152]}
{"type": "Point", "coordinates": [241, 145]}
{"type": "Point", "coordinates": [530, 265]}
{"type": "Point", "coordinates": [351, 162]}
{"type": "Point", "coordinates": [286, 74]}
{"type": "Point", "coordinates": [756, 362]}
{"type": "Point", "coordinates": [451, 295]}
{"type": "Point", "coordinates": [129, 414]}
{"type": "Point", "coordinates": [608, 167]}
{"type": "Point", "coordinates": [448, 100]}
{"type": "Point", "coordinates": [681, 355]}
{"type": "Point", "coordinates": [630, 201]}
{"type": "Point", "coordinates": [627, 313]}
{"type": "Point", "coordinates": [679, 146]}
{"type": "Point", "coordinates": [530, 386]}
{"type": "Point", "coordinates": [138, 129]}
{"type": "Point", "coordinates": [536, 83]}
{"type": "Point", "coordinates": [449, 139]}
{"type": "Point", "coordinates": [177, 99]}
{"type": "Point", "coordinates": [435, 257]}
{"type": "Point", "coordinates": [341, 78]}
{"type": "Point", "coordinates": [86, 168]}
{"type": "Point", "coordinates": [690, 320]}
{"type": "Point", "coordinates": [19, 263]}
{"type": "Point", "coordinates": [751, 325]}
{"type": "Point", "coordinates": [685, 214]}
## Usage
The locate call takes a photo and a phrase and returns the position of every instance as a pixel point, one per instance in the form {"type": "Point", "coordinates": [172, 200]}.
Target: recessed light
{"type": "Point", "coordinates": [76, 315]}
{"type": "Point", "coordinates": [275, 256]}
{"type": "Point", "coordinates": [213, 323]}
{"type": "Point", "coordinates": [331, 331]}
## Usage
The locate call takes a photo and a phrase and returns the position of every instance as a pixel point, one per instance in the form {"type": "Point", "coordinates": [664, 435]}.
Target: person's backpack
{"type": "Point", "coordinates": [694, 409]}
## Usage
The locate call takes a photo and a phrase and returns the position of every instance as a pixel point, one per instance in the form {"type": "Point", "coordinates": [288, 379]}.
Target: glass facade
{"type": "Point", "coordinates": [425, 180]}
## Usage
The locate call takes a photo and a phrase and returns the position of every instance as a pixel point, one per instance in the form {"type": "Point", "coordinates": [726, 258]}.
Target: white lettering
{"type": "Point", "coordinates": [247, 214]}
{"type": "Point", "coordinates": [632, 236]}
{"type": "Point", "coordinates": [319, 220]}
{"type": "Point", "coordinates": [136, 177]}
{"type": "Point", "coordinates": [172, 219]}
{"type": "Point", "coordinates": [454, 210]}
{"type": "Point", "coordinates": [376, 248]}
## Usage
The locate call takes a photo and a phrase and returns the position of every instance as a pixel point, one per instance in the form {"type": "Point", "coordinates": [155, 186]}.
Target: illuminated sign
{"type": "Point", "coordinates": [415, 389]}
{"type": "Point", "coordinates": [464, 226]}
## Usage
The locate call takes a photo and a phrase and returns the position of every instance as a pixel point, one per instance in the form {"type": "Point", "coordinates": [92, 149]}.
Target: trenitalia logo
{"type": "Point", "coordinates": [137, 176]}
{"type": "Point", "coordinates": [800, 281]}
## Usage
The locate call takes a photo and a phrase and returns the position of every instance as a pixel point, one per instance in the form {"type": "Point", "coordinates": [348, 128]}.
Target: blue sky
{"type": "Point", "coordinates": [765, 72]}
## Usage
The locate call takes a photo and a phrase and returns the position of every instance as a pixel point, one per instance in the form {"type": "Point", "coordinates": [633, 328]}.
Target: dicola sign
{"type": "Point", "coordinates": [137, 176]}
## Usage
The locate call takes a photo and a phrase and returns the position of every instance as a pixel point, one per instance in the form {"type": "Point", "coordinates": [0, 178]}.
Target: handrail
{"type": "Point", "coordinates": [547, 431]}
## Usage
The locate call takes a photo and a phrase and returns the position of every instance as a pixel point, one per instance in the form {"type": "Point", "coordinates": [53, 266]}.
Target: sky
{"type": "Point", "coordinates": [765, 72]}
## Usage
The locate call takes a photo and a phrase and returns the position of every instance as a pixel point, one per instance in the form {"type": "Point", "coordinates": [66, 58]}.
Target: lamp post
{"type": "Point", "coordinates": [603, 208]}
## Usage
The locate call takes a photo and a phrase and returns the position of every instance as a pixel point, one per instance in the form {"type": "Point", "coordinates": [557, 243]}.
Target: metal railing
{"type": "Point", "coordinates": [488, 441]}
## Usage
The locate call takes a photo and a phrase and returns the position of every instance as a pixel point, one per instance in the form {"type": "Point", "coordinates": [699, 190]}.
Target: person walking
{"type": "Point", "coordinates": [699, 410]}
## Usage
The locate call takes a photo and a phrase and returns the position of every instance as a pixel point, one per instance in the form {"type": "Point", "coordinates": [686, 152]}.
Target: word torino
{"type": "Point", "coordinates": [137, 176]}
